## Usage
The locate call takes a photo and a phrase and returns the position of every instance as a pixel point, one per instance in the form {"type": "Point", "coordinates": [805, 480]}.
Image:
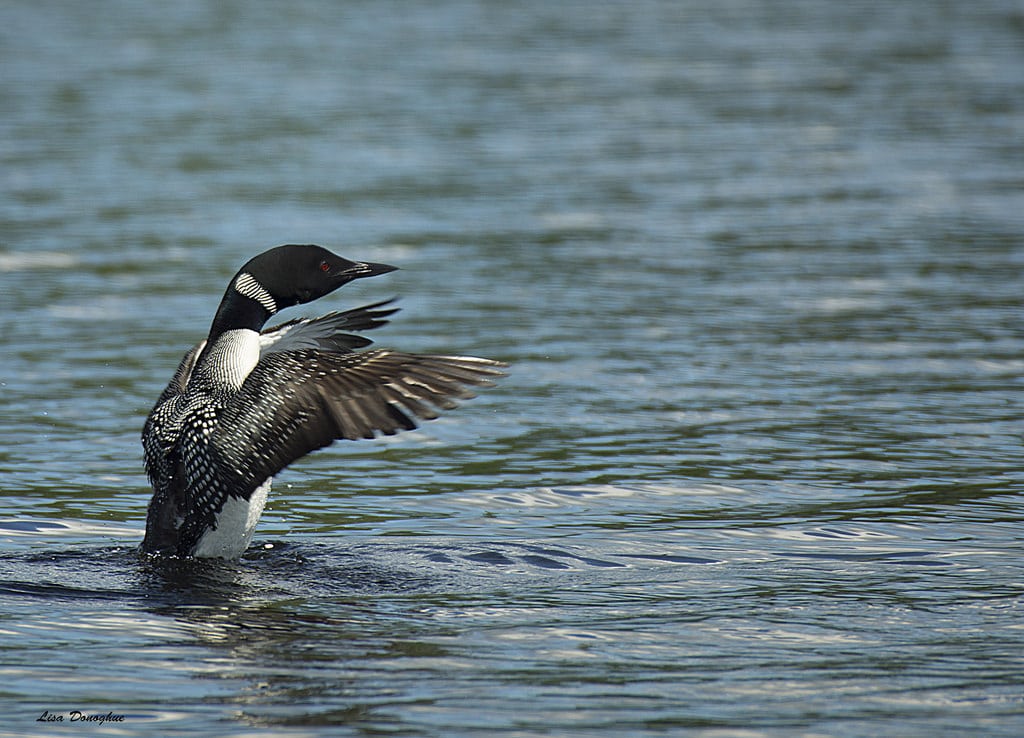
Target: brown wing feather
{"type": "Point", "coordinates": [296, 402]}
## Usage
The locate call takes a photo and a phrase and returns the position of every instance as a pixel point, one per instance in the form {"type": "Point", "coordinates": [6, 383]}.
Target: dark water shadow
{"type": "Point", "coordinates": [293, 571]}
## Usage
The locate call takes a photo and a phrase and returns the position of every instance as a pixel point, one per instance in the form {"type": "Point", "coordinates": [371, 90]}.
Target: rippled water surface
{"type": "Point", "coordinates": [756, 468]}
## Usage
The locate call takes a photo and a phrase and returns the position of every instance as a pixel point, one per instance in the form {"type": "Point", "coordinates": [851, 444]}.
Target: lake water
{"type": "Point", "coordinates": [758, 268]}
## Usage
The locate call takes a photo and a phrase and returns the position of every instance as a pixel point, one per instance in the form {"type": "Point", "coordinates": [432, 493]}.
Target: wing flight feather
{"type": "Point", "coordinates": [298, 401]}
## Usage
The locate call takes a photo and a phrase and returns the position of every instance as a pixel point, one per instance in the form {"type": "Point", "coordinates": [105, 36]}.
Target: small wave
{"type": "Point", "coordinates": [20, 261]}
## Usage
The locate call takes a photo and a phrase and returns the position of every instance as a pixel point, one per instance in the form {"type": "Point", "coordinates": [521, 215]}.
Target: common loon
{"type": "Point", "coordinates": [246, 402]}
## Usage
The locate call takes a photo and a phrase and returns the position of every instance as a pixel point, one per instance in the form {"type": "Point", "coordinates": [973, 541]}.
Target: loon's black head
{"type": "Point", "coordinates": [282, 277]}
{"type": "Point", "coordinates": [292, 275]}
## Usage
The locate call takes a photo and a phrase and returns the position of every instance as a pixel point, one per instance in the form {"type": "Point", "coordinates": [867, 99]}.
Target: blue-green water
{"type": "Point", "coordinates": [758, 267]}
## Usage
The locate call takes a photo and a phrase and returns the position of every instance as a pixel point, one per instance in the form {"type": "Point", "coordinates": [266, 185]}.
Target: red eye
{"type": "Point", "coordinates": [324, 266]}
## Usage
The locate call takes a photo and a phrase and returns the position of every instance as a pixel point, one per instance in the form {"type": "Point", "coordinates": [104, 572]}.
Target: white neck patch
{"type": "Point", "coordinates": [247, 286]}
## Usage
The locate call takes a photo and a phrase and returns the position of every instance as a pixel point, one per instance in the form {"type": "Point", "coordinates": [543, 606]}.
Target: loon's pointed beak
{"type": "Point", "coordinates": [361, 269]}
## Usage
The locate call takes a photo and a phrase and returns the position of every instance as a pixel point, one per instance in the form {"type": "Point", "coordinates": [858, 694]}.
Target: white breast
{"type": "Point", "coordinates": [236, 524]}
{"type": "Point", "coordinates": [231, 358]}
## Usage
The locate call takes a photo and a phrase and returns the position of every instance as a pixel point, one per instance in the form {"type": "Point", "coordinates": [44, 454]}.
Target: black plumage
{"type": "Point", "coordinates": [246, 402]}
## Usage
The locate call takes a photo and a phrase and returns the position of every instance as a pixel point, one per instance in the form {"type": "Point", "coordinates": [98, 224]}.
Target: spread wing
{"type": "Point", "coordinates": [326, 332]}
{"type": "Point", "coordinates": [295, 402]}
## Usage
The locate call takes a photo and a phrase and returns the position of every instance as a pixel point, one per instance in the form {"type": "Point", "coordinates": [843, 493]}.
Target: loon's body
{"type": "Point", "coordinates": [246, 402]}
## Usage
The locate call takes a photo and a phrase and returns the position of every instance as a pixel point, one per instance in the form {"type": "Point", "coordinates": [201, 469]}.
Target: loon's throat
{"type": "Point", "coordinates": [247, 286]}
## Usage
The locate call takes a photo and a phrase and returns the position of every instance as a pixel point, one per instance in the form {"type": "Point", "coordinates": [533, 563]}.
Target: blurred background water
{"type": "Point", "coordinates": [758, 268]}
